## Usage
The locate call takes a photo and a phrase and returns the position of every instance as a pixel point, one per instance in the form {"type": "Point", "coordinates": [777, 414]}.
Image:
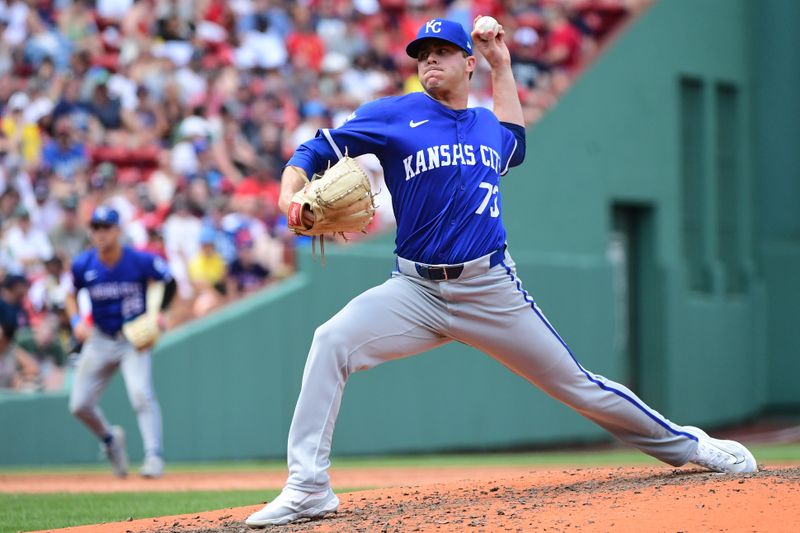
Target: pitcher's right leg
{"type": "Point", "coordinates": [390, 321]}
{"type": "Point", "coordinates": [399, 318]}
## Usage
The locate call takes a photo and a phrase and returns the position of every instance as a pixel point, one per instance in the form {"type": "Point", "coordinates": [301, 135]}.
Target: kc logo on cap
{"type": "Point", "coordinates": [446, 30]}
{"type": "Point", "coordinates": [433, 26]}
{"type": "Point", "coordinates": [105, 215]}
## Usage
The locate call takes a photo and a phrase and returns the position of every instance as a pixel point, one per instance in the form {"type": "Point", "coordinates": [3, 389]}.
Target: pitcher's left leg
{"type": "Point", "coordinates": [510, 327]}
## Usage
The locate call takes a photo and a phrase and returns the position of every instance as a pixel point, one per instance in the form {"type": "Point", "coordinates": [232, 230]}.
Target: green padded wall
{"type": "Point", "coordinates": [776, 134]}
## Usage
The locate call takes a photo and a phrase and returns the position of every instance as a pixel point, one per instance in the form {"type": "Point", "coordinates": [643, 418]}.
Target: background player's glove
{"type": "Point", "coordinates": [341, 201]}
{"type": "Point", "coordinates": [143, 331]}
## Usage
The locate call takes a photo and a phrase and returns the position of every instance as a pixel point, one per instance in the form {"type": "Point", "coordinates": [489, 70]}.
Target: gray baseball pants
{"type": "Point", "coordinates": [487, 308]}
{"type": "Point", "coordinates": [101, 356]}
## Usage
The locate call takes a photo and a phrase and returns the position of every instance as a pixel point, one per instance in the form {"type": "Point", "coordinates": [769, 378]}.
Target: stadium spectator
{"type": "Point", "coordinates": [193, 133]}
{"type": "Point", "coordinates": [23, 137]}
{"type": "Point", "coordinates": [305, 46]}
{"type": "Point", "coordinates": [41, 344]}
{"type": "Point", "coordinates": [76, 22]}
{"type": "Point", "coordinates": [155, 241]}
{"type": "Point", "coordinates": [14, 293]}
{"type": "Point", "coordinates": [109, 119]}
{"type": "Point", "coordinates": [526, 47]}
{"type": "Point", "coordinates": [562, 45]}
{"type": "Point", "coordinates": [49, 291]}
{"type": "Point", "coordinates": [149, 121]}
{"type": "Point", "coordinates": [9, 203]}
{"type": "Point", "coordinates": [245, 274]}
{"type": "Point", "coordinates": [24, 247]}
{"type": "Point", "coordinates": [71, 106]}
{"type": "Point", "coordinates": [101, 185]}
{"type": "Point", "coordinates": [65, 154]}
{"type": "Point", "coordinates": [232, 151]}
{"type": "Point", "coordinates": [181, 238]}
{"type": "Point", "coordinates": [18, 370]}
{"type": "Point", "coordinates": [262, 47]}
{"type": "Point", "coordinates": [69, 237]}
{"type": "Point", "coordinates": [45, 42]}
{"type": "Point", "coordinates": [16, 17]}
{"type": "Point", "coordinates": [207, 272]}
{"type": "Point", "coordinates": [46, 212]}
{"type": "Point", "coordinates": [113, 10]}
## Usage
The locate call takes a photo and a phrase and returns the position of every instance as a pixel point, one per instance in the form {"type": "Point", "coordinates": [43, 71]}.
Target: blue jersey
{"type": "Point", "coordinates": [442, 167]}
{"type": "Point", "coordinates": [118, 293]}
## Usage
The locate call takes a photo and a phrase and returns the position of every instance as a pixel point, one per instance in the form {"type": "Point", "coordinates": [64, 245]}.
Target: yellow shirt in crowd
{"type": "Point", "coordinates": [30, 137]}
{"type": "Point", "coordinates": [207, 268]}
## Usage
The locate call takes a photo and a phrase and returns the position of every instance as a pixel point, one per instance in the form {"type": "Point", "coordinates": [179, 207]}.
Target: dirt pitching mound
{"type": "Point", "coordinates": [596, 499]}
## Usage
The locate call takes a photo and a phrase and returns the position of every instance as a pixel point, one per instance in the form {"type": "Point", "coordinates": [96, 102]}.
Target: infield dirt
{"type": "Point", "coordinates": [524, 499]}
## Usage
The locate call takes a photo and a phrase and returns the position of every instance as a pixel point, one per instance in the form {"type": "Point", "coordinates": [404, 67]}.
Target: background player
{"type": "Point", "coordinates": [454, 280]}
{"type": "Point", "coordinates": [116, 278]}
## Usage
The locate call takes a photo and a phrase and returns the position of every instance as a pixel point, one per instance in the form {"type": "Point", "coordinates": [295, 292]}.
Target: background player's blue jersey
{"type": "Point", "coordinates": [118, 293]}
{"type": "Point", "coordinates": [442, 167]}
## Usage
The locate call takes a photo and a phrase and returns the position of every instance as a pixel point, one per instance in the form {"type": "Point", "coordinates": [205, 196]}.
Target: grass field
{"type": "Point", "coordinates": [27, 512]}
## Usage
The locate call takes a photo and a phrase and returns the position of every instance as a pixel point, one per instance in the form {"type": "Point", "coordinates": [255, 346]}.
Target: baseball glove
{"type": "Point", "coordinates": [143, 331]}
{"type": "Point", "coordinates": [341, 200]}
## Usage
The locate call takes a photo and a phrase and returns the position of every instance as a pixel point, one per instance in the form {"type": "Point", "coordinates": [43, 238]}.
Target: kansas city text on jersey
{"type": "Point", "coordinates": [445, 155]}
{"type": "Point", "coordinates": [114, 289]}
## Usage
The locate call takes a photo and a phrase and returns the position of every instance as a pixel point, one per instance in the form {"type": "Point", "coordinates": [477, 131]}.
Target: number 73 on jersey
{"type": "Point", "coordinates": [491, 193]}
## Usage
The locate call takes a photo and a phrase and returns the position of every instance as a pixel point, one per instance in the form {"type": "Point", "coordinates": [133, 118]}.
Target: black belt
{"type": "Point", "coordinates": [438, 273]}
{"type": "Point", "coordinates": [447, 272]}
{"type": "Point", "coordinates": [115, 335]}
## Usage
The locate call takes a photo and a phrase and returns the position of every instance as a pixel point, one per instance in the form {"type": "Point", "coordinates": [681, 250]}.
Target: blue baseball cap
{"type": "Point", "coordinates": [105, 215]}
{"type": "Point", "coordinates": [446, 30]}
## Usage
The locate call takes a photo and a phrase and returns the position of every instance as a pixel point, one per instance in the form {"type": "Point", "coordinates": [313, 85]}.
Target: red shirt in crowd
{"type": "Point", "coordinates": [269, 190]}
{"type": "Point", "coordinates": [306, 49]}
{"type": "Point", "coordinates": [567, 36]}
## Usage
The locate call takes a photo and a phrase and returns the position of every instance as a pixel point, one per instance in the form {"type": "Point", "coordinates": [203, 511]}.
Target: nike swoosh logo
{"type": "Point", "coordinates": [415, 124]}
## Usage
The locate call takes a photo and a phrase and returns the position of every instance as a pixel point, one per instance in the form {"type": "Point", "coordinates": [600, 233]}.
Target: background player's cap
{"type": "Point", "coordinates": [446, 30]}
{"type": "Point", "coordinates": [105, 215]}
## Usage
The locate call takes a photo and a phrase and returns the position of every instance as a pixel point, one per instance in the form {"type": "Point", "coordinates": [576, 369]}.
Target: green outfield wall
{"type": "Point", "coordinates": [776, 138]}
{"type": "Point", "coordinates": [656, 222]}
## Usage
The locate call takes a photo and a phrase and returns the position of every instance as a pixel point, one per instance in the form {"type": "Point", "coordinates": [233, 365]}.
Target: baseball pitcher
{"type": "Point", "coordinates": [455, 279]}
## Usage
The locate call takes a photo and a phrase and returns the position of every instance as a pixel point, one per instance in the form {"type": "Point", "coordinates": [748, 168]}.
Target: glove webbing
{"type": "Point", "coordinates": [321, 248]}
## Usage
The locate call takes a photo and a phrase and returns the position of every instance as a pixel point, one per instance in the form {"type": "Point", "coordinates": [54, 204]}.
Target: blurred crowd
{"type": "Point", "coordinates": [181, 115]}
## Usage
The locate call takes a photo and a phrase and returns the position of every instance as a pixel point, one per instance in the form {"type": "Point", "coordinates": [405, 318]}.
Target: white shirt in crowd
{"type": "Point", "coordinates": [21, 248]}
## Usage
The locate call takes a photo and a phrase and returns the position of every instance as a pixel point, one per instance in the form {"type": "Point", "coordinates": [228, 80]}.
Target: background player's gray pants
{"type": "Point", "coordinates": [100, 357]}
{"type": "Point", "coordinates": [407, 315]}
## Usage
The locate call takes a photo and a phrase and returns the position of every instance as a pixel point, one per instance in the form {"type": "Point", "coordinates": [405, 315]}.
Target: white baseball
{"type": "Point", "coordinates": [486, 23]}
